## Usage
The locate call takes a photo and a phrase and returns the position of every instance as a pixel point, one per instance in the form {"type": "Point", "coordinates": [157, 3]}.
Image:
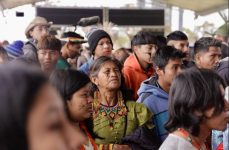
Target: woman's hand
{"type": "Point", "coordinates": [121, 147]}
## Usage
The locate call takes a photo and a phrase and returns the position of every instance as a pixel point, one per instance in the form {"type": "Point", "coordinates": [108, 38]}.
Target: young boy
{"type": "Point", "coordinates": [154, 91]}
{"type": "Point", "coordinates": [138, 66]}
{"type": "Point", "coordinates": [48, 53]}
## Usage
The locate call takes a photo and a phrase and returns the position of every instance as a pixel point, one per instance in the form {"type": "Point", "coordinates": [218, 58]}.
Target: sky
{"type": "Point", "coordinates": [12, 27]}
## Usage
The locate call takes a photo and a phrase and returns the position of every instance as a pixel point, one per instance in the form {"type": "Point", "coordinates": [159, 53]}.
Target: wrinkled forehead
{"type": "Point", "coordinates": [108, 65]}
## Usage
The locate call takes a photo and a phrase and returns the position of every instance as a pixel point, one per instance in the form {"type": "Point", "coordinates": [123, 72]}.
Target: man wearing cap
{"type": "Point", "coordinates": [221, 34]}
{"type": "Point", "coordinates": [71, 48]}
{"type": "Point", "coordinates": [100, 44]}
{"type": "Point", "coordinates": [34, 31]}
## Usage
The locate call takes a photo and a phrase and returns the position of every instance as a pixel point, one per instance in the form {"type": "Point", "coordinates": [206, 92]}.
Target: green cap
{"type": "Point", "coordinates": [223, 30]}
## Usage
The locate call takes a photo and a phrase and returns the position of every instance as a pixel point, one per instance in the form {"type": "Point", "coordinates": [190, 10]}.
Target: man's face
{"type": "Point", "coordinates": [209, 59]}
{"type": "Point", "coordinates": [145, 52]}
{"type": "Point", "coordinates": [182, 45]}
{"type": "Point", "coordinates": [171, 70]}
{"type": "Point", "coordinates": [74, 49]}
{"type": "Point", "coordinates": [48, 59]}
{"type": "Point", "coordinates": [39, 31]}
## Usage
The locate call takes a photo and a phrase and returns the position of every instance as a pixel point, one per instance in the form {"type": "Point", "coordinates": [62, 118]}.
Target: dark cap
{"type": "Point", "coordinates": [72, 37]}
{"type": "Point", "coordinates": [94, 36]}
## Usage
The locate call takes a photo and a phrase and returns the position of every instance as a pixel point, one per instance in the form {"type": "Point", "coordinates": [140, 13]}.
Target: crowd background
{"type": "Point", "coordinates": [82, 91]}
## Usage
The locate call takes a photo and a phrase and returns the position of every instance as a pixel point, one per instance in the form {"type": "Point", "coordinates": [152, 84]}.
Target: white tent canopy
{"type": "Point", "coordinates": [7, 4]}
{"type": "Point", "coordinates": [200, 7]}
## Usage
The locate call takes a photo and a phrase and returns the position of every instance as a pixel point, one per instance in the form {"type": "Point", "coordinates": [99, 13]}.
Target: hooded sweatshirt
{"type": "Point", "coordinates": [156, 99]}
{"type": "Point", "coordinates": [134, 74]}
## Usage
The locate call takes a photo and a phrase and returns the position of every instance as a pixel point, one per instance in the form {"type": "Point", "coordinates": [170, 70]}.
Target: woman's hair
{"type": "Point", "coordinates": [98, 64]}
{"type": "Point", "coordinates": [68, 81]}
{"type": "Point", "coordinates": [19, 85]}
{"type": "Point", "coordinates": [195, 90]}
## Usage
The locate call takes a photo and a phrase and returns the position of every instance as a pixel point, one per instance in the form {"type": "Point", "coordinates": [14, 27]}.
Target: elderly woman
{"type": "Point", "coordinates": [74, 87]}
{"type": "Point", "coordinates": [32, 113]}
{"type": "Point", "coordinates": [113, 116]}
{"type": "Point", "coordinates": [195, 110]}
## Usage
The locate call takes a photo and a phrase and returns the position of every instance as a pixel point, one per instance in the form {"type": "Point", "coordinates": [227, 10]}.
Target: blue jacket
{"type": "Point", "coordinates": [85, 68]}
{"type": "Point", "coordinates": [156, 100]}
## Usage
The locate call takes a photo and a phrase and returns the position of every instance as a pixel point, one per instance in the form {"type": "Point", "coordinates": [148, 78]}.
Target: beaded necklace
{"type": "Point", "coordinates": [111, 112]}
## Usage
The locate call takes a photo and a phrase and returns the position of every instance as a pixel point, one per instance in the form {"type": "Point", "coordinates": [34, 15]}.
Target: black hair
{"type": "Point", "coordinates": [161, 41]}
{"type": "Point", "coordinates": [176, 36]}
{"type": "Point", "coordinates": [19, 87]}
{"type": "Point", "coordinates": [164, 54]}
{"type": "Point", "coordinates": [97, 65]}
{"type": "Point", "coordinates": [143, 37]}
{"type": "Point", "coordinates": [192, 91]}
{"type": "Point", "coordinates": [49, 42]}
{"type": "Point", "coordinates": [204, 43]}
{"type": "Point", "coordinates": [68, 82]}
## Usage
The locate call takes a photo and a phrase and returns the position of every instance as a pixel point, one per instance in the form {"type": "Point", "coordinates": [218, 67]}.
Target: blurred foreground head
{"type": "Point", "coordinates": [31, 113]}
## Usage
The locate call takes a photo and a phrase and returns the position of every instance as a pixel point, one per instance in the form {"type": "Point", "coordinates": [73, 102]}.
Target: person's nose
{"type": "Point", "coordinates": [179, 70]}
{"type": "Point", "coordinates": [217, 59]}
{"type": "Point", "coordinates": [45, 32]}
{"type": "Point", "coordinates": [47, 56]}
{"type": "Point", "coordinates": [186, 49]}
{"type": "Point", "coordinates": [89, 99]}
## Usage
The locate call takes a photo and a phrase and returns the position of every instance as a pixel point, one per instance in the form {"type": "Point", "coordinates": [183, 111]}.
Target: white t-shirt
{"type": "Point", "coordinates": [175, 142]}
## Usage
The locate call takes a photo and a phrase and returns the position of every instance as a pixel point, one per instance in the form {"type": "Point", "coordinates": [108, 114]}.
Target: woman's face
{"type": "Point", "coordinates": [47, 125]}
{"type": "Point", "coordinates": [103, 48]}
{"type": "Point", "coordinates": [109, 77]}
{"type": "Point", "coordinates": [218, 122]}
{"type": "Point", "coordinates": [80, 105]}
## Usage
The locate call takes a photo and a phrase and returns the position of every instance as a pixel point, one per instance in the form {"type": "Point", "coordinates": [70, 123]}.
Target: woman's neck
{"type": "Point", "coordinates": [204, 133]}
{"type": "Point", "coordinates": [108, 98]}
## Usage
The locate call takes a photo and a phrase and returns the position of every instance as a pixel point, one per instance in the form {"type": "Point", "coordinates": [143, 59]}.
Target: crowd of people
{"type": "Point", "coordinates": [160, 94]}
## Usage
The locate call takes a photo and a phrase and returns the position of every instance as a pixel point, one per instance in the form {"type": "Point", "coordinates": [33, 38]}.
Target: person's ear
{"type": "Point", "coordinates": [197, 58]}
{"type": "Point", "coordinates": [31, 33]}
{"type": "Point", "coordinates": [198, 113]}
{"type": "Point", "coordinates": [68, 103]}
{"type": "Point", "coordinates": [94, 80]}
{"type": "Point", "coordinates": [159, 71]}
{"type": "Point", "coordinates": [68, 45]}
{"type": "Point", "coordinates": [209, 113]}
{"type": "Point", "coordinates": [135, 48]}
